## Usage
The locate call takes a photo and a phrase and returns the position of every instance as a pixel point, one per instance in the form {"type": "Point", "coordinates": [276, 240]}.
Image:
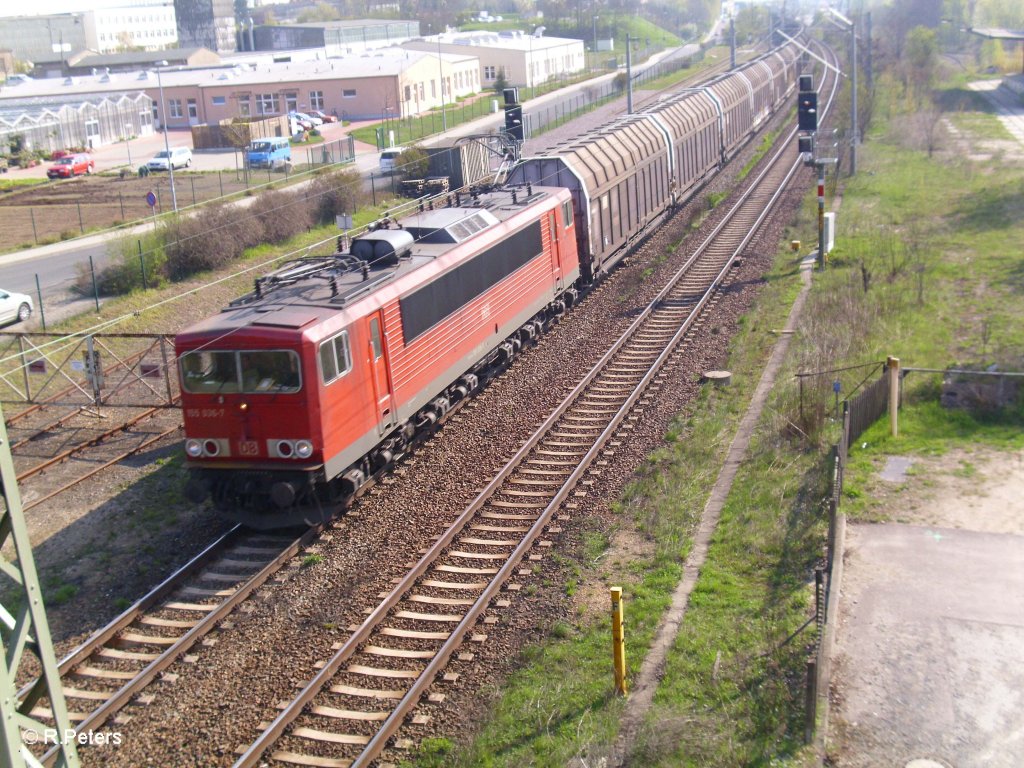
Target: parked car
{"type": "Point", "coordinates": [324, 117]}
{"type": "Point", "coordinates": [309, 120]}
{"type": "Point", "coordinates": [70, 165]}
{"type": "Point", "coordinates": [14, 307]}
{"type": "Point", "coordinates": [178, 157]}
{"type": "Point", "coordinates": [301, 120]}
{"type": "Point", "coordinates": [273, 152]}
{"type": "Point", "coordinates": [390, 158]}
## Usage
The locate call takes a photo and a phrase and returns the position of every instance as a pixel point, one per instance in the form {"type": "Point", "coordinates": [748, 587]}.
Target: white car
{"type": "Point", "coordinates": [390, 159]}
{"type": "Point", "coordinates": [315, 121]}
{"type": "Point", "coordinates": [14, 307]}
{"type": "Point", "coordinates": [178, 157]}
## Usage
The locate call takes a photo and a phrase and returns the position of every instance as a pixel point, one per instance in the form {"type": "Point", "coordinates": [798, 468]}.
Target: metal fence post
{"type": "Point", "coordinates": [81, 224]}
{"type": "Point", "coordinates": [142, 266]}
{"type": "Point", "coordinates": [42, 312]}
{"type": "Point", "coordinates": [35, 235]}
{"type": "Point", "coordinates": [220, 180]}
{"type": "Point", "coordinates": [810, 700]}
{"type": "Point", "coordinates": [120, 198]}
{"type": "Point", "coordinates": [193, 180]}
{"type": "Point", "coordinates": [95, 288]}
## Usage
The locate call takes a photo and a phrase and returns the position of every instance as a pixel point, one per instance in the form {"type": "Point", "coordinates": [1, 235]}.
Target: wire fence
{"type": "Point", "coordinates": [124, 200]}
{"type": "Point", "coordinates": [858, 414]}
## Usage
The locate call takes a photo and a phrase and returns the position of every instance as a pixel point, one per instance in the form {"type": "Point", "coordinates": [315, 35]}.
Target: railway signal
{"type": "Point", "coordinates": [807, 111]}
{"type": "Point", "coordinates": [513, 115]}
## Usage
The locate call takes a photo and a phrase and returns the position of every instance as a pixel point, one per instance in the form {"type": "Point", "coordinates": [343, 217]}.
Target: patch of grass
{"type": "Point", "coordinates": [63, 593]}
{"type": "Point", "coordinates": [311, 560]}
{"type": "Point", "coordinates": [431, 753]}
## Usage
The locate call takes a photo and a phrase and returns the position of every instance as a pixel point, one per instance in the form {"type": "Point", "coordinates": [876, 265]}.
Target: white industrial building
{"type": "Point", "coordinates": [523, 59]}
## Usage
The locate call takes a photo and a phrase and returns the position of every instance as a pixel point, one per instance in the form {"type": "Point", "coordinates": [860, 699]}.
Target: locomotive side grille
{"type": "Point", "coordinates": [435, 301]}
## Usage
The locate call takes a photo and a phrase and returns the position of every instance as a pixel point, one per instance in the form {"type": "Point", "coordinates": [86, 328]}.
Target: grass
{"type": "Point", "coordinates": [924, 269]}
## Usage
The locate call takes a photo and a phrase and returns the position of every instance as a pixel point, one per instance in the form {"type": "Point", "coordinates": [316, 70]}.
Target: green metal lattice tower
{"type": "Point", "coordinates": [23, 628]}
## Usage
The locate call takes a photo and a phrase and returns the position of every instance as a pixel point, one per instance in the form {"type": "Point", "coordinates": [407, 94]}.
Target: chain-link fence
{"type": "Point", "coordinates": [58, 211]}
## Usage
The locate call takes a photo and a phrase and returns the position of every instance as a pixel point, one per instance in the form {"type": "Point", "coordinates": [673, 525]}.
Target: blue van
{"type": "Point", "coordinates": [274, 152]}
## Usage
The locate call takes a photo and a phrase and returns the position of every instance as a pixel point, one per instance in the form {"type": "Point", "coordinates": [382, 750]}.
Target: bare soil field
{"type": "Point", "coordinates": [60, 210]}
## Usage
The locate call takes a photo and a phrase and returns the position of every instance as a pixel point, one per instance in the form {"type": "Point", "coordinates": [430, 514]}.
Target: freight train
{"type": "Point", "coordinates": [296, 395]}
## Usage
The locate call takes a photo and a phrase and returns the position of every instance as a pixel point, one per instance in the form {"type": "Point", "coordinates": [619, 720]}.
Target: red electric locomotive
{"type": "Point", "coordinates": [298, 393]}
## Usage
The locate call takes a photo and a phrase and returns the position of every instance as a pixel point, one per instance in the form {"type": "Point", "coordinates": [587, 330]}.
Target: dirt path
{"type": "Point", "coordinates": [932, 620]}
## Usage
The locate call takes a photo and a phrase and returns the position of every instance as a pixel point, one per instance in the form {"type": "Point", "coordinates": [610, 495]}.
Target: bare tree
{"type": "Point", "coordinates": [927, 131]}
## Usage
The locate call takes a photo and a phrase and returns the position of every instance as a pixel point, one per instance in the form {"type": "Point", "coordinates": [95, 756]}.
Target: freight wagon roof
{"type": "Point", "coordinates": [307, 291]}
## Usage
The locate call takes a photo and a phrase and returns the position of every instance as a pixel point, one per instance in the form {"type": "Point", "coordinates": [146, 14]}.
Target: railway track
{"type": "Point", "coordinates": [97, 428]}
{"type": "Point", "coordinates": [390, 661]}
{"type": "Point", "coordinates": [354, 708]}
{"type": "Point", "coordinates": [120, 660]}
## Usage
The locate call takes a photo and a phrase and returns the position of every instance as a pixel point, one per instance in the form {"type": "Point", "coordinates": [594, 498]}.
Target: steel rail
{"type": "Point", "coordinates": [151, 600]}
{"type": "Point", "coordinates": [106, 465]}
{"type": "Point", "coordinates": [89, 443]}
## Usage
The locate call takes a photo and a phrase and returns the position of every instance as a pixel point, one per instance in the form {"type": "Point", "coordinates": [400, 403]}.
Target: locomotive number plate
{"type": "Point", "coordinates": [248, 448]}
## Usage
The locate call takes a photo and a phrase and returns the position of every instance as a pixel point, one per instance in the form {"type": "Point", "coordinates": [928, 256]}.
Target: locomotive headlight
{"type": "Point", "coordinates": [303, 449]}
{"type": "Point", "coordinates": [194, 448]}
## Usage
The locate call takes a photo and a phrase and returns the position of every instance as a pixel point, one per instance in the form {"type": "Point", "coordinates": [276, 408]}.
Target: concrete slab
{"type": "Point", "coordinates": [895, 469]}
{"type": "Point", "coordinates": [929, 648]}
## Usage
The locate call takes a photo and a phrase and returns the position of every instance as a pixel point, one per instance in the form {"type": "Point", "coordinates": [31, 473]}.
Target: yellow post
{"type": "Point", "coordinates": [893, 364]}
{"type": "Point", "coordinates": [618, 641]}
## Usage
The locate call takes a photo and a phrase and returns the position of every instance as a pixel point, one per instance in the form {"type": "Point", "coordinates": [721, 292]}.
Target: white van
{"type": "Point", "coordinates": [390, 159]}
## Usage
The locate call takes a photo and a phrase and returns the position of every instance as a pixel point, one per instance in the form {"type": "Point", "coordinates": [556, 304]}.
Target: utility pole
{"type": "Point", "coordinates": [629, 75]}
{"type": "Point", "coordinates": [23, 719]}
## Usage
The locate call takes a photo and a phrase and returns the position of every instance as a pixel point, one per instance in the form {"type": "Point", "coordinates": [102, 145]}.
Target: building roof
{"type": "Point", "coordinates": [994, 33]}
{"type": "Point", "coordinates": [349, 23]}
{"type": "Point", "coordinates": [142, 58]}
{"type": "Point", "coordinates": [515, 40]}
{"type": "Point", "coordinates": [386, 62]}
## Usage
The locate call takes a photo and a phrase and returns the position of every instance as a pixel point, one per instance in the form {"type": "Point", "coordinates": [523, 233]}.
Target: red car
{"type": "Point", "coordinates": [70, 165]}
{"type": "Point", "coordinates": [323, 116]}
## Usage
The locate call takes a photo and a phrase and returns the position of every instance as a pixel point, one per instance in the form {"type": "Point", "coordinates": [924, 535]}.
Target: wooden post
{"type": "Point", "coordinates": [618, 641]}
{"type": "Point", "coordinates": [893, 365]}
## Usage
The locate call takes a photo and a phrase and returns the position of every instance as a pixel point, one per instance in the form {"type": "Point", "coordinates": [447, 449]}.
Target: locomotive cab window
{"type": "Point", "coordinates": [209, 372]}
{"type": "Point", "coordinates": [269, 371]}
{"type": "Point", "coordinates": [252, 372]}
{"type": "Point", "coordinates": [335, 360]}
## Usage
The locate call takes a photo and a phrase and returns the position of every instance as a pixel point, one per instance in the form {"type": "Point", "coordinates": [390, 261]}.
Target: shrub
{"type": "Point", "coordinates": [414, 163]}
{"type": "Point", "coordinates": [334, 193]}
{"type": "Point", "coordinates": [124, 273]}
{"type": "Point", "coordinates": [200, 242]}
{"type": "Point", "coordinates": [281, 214]}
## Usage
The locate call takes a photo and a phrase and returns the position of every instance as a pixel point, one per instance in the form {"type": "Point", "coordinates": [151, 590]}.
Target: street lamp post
{"type": "Point", "coordinates": [167, 145]}
{"type": "Point", "coordinates": [853, 83]}
{"type": "Point", "coordinates": [440, 69]}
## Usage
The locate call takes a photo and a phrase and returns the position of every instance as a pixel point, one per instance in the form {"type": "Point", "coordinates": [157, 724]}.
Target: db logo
{"type": "Point", "coordinates": [249, 448]}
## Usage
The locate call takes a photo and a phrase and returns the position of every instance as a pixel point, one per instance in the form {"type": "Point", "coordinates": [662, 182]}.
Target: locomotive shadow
{"type": "Point", "coordinates": [97, 565]}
